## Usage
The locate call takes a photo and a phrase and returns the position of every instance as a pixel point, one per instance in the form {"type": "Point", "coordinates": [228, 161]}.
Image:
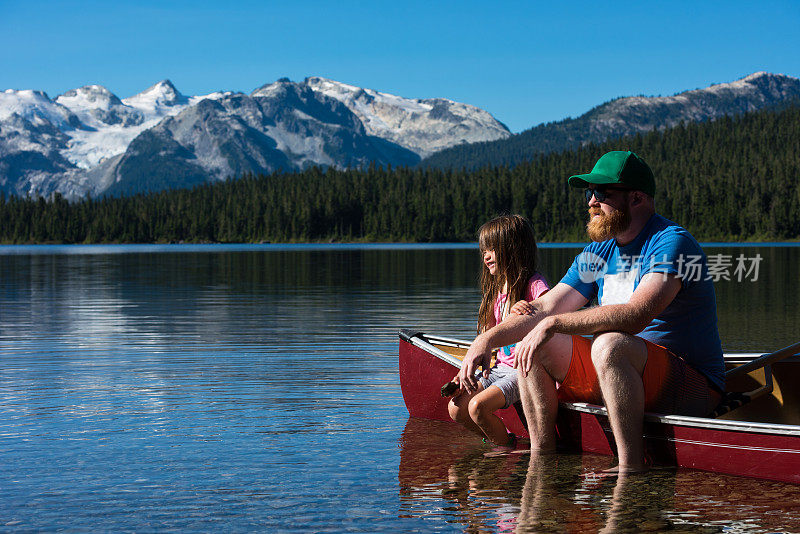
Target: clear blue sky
{"type": "Point", "coordinates": [525, 62]}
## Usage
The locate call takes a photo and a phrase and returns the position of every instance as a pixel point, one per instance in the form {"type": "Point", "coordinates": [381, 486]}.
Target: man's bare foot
{"type": "Point", "coordinates": [628, 469]}
{"type": "Point", "coordinates": [615, 472]}
{"type": "Point", "coordinates": [621, 470]}
{"type": "Point", "coordinates": [542, 451]}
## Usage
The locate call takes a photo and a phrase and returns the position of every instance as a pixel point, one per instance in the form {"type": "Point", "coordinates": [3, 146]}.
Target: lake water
{"type": "Point", "coordinates": [247, 388]}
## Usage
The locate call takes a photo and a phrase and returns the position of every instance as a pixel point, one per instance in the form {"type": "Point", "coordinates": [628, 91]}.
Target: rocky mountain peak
{"type": "Point", "coordinates": [776, 84]}
{"type": "Point", "coordinates": [759, 74]}
{"type": "Point", "coordinates": [89, 96]}
{"type": "Point", "coordinates": [162, 94]}
{"type": "Point", "coordinates": [276, 89]}
{"type": "Point", "coordinates": [423, 126]}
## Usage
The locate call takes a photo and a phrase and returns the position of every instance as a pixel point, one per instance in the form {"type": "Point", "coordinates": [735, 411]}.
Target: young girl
{"type": "Point", "coordinates": [508, 275]}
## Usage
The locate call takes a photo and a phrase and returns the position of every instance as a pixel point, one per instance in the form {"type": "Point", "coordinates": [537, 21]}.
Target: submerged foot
{"type": "Point", "coordinates": [626, 470]}
{"type": "Point", "coordinates": [512, 446]}
{"type": "Point", "coordinates": [614, 472]}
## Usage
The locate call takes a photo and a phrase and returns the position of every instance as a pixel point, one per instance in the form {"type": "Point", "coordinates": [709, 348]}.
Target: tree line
{"type": "Point", "coordinates": [730, 179]}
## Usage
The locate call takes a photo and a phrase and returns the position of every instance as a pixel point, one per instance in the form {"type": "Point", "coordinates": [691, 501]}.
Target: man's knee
{"type": "Point", "coordinates": [607, 348]}
{"type": "Point", "coordinates": [613, 349]}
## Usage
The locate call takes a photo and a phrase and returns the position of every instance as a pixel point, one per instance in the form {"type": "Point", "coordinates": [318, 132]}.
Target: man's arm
{"type": "Point", "coordinates": [653, 294]}
{"type": "Point", "coordinates": [562, 298]}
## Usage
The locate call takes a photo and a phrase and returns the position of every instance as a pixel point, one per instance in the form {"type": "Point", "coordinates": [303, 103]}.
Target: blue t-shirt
{"type": "Point", "coordinates": [688, 326]}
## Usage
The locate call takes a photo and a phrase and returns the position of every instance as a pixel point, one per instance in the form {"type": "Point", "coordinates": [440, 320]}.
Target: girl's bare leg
{"type": "Point", "coordinates": [458, 407]}
{"type": "Point", "coordinates": [481, 410]}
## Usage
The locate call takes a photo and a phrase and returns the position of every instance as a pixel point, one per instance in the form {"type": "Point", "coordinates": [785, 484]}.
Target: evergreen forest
{"type": "Point", "coordinates": [733, 179]}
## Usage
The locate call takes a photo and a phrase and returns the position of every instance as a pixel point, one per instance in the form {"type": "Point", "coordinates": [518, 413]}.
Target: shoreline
{"type": "Point", "coordinates": [112, 248]}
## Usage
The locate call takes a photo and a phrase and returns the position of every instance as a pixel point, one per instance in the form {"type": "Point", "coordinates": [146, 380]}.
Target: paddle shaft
{"type": "Point", "coordinates": [761, 361]}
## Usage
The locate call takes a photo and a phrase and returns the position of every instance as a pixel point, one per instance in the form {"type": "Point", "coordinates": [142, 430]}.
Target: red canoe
{"type": "Point", "coordinates": [760, 439]}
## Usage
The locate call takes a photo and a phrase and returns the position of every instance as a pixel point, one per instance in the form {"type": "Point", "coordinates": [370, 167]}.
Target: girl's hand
{"type": "Point", "coordinates": [522, 307]}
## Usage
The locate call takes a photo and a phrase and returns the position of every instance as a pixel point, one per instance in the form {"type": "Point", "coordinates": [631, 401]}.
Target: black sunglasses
{"type": "Point", "coordinates": [601, 192]}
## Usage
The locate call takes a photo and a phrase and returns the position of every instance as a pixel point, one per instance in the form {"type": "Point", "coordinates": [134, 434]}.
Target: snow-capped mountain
{"type": "Point", "coordinates": [59, 145]}
{"type": "Point", "coordinates": [108, 124]}
{"type": "Point", "coordinates": [628, 116]}
{"type": "Point", "coordinates": [88, 140]}
{"type": "Point", "coordinates": [31, 139]}
{"type": "Point", "coordinates": [288, 127]}
{"type": "Point", "coordinates": [422, 126]}
{"type": "Point", "coordinates": [36, 108]}
{"type": "Point", "coordinates": [96, 106]}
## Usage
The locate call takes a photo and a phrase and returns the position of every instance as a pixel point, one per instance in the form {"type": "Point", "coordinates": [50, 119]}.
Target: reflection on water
{"type": "Point", "coordinates": [256, 388]}
{"type": "Point", "coordinates": [445, 475]}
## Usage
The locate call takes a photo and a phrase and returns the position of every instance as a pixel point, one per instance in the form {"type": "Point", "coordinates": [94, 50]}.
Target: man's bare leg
{"type": "Point", "coordinates": [619, 360]}
{"type": "Point", "coordinates": [538, 391]}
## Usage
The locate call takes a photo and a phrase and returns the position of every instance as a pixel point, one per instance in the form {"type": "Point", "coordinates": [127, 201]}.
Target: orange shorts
{"type": "Point", "coordinates": [671, 386]}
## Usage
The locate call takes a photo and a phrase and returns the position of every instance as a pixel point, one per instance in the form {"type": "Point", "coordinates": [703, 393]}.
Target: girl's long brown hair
{"type": "Point", "coordinates": [511, 238]}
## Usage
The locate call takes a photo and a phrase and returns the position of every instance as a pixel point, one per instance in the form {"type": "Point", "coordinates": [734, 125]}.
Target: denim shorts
{"type": "Point", "coordinates": [505, 378]}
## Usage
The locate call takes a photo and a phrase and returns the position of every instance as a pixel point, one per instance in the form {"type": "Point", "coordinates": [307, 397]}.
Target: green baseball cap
{"type": "Point", "coordinates": [619, 167]}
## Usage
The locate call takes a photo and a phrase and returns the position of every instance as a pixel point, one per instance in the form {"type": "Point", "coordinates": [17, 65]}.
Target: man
{"type": "Point", "coordinates": [654, 345]}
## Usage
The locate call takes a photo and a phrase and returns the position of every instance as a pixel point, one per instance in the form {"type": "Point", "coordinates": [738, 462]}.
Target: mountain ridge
{"type": "Point", "coordinates": [88, 141]}
{"type": "Point", "coordinates": [626, 116]}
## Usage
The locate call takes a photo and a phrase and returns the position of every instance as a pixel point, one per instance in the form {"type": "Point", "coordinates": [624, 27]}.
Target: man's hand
{"type": "Point", "coordinates": [478, 355]}
{"type": "Point", "coordinates": [525, 350]}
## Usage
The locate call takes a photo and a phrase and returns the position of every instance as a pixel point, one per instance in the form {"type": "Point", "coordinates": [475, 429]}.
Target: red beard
{"type": "Point", "coordinates": [605, 227]}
